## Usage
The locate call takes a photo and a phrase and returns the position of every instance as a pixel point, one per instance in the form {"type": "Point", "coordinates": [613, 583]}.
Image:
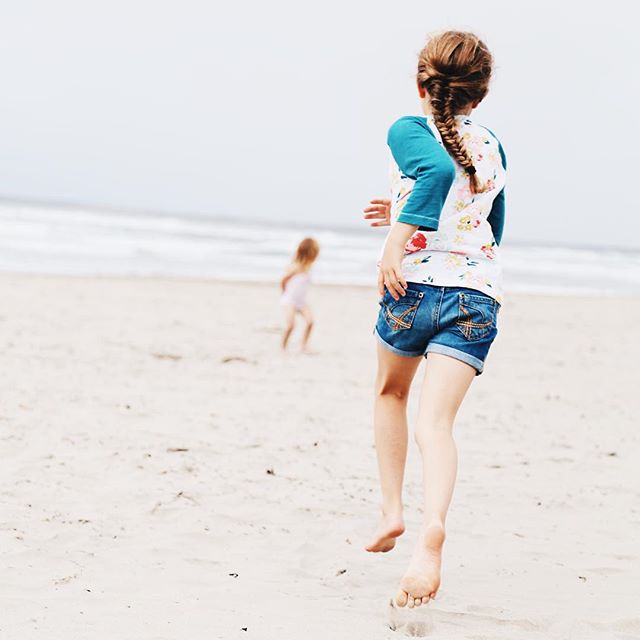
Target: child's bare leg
{"type": "Point", "coordinates": [307, 316]}
{"type": "Point", "coordinates": [393, 381]}
{"type": "Point", "coordinates": [445, 385]}
{"type": "Point", "coordinates": [289, 323]}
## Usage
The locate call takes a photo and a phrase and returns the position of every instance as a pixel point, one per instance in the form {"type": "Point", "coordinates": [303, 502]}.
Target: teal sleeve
{"type": "Point", "coordinates": [419, 156]}
{"type": "Point", "coordinates": [497, 213]}
{"type": "Point", "coordinates": [496, 217]}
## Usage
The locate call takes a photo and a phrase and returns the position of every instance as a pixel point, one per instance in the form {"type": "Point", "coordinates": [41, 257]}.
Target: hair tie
{"type": "Point", "coordinates": [470, 170]}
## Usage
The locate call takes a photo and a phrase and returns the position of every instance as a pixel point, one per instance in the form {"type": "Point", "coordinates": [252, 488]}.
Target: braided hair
{"type": "Point", "coordinates": [454, 68]}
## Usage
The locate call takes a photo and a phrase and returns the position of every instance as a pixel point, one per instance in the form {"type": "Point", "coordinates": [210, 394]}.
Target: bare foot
{"type": "Point", "coordinates": [385, 539]}
{"type": "Point", "coordinates": [422, 579]}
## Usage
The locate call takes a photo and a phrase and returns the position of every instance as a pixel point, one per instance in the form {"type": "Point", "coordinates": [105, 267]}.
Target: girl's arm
{"type": "Point", "coordinates": [422, 158]}
{"type": "Point", "coordinates": [496, 217]}
{"type": "Point", "coordinates": [390, 271]}
{"type": "Point", "coordinates": [289, 273]}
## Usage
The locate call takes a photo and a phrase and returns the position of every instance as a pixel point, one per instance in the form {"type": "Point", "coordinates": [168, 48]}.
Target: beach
{"type": "Point", "coordinates": [168, 473]}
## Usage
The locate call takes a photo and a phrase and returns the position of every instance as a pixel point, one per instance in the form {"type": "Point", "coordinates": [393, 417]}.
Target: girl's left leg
{"type": "Point", "coordinates": [307, 316]}
{"type": "Point", "coordinates": [445, 384]}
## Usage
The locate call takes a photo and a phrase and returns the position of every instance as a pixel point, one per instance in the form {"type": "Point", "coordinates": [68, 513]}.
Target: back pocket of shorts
{"type": "Point", "coordinates": [400, 314]}
{"type": "Point", "coordinates": [476, 316]}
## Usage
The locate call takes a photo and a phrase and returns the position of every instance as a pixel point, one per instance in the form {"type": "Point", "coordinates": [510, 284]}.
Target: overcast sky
{"type": "Point", "coordinates": [278, 110]}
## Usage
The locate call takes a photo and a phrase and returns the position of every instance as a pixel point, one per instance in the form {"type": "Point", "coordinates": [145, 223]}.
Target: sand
{"type": "Point", "coordinates": [167, 473]}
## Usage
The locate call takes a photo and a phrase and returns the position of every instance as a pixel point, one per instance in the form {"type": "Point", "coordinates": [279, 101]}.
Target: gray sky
{"type": "Point", "coordinates": [278, 110]}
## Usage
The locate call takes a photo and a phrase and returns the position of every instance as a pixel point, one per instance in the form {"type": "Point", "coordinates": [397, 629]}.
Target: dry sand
{"type": "Point", "coordinates": [167, 473]}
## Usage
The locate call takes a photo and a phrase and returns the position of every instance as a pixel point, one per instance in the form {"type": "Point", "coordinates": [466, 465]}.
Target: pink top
{"type": "Point", "coordinates": [295, 291]}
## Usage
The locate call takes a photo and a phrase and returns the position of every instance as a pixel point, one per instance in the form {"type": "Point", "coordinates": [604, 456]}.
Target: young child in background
{"type": "Point", "coordinates": [294, 285]}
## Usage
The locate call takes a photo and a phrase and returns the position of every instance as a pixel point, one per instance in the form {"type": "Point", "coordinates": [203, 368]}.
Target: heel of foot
{"type": "Point", "coordinates": [433, 536]}
{"type": "Point", "coordinates": [422, 579]}
{"type": "Point", "coordinates": [385, 538]}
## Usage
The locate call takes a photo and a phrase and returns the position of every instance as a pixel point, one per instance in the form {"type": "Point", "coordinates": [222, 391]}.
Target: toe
{"type": "Point", "coordinates": [425, 599]}
{"type": "Point", "coordinates": [411, 602]}
{"type": "Point", "coordinates": [401, 598]}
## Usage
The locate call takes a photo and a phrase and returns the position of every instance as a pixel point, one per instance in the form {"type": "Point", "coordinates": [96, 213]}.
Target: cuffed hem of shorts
{"type": "Point", "coordinates": [467, 358]}
{"type": "Point", "coordinates": [398, 352]}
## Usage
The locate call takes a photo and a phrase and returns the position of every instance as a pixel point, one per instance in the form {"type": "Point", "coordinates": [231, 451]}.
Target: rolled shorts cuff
{"type": "Point", "coordinates": [398, 352]}
{"type": "Point", "coordinates": [467, 358]}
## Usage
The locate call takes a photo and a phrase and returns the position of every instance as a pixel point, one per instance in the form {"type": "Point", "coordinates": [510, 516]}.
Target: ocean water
{"type": "Point", "coordinates": [72, 240]}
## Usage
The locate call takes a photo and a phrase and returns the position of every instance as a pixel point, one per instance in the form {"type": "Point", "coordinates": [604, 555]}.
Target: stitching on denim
{"type": "Point", "coordinates": [484, 299]}
{"type": "Point", "coordinates": [436, 311]}
{"type": "Point", "coordinates": [467, 325]}
{"type": "Point", "coordinates": [398, 322]}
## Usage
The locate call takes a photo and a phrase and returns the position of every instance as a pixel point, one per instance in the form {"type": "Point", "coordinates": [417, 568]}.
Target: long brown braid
{"type": "Point", "coordinates": [455, 68]}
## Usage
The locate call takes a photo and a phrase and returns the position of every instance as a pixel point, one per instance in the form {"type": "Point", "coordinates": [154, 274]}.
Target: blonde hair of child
{"type": "Point", "coordinates": [306, 253]}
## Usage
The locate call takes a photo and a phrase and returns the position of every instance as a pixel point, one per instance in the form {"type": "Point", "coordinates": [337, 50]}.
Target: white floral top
{"type": "Point", "coordinates": [459, 232]}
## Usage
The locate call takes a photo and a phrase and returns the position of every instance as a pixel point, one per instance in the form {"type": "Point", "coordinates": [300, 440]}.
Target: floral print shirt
{"type": "Point", "coordinates": [456, 244]}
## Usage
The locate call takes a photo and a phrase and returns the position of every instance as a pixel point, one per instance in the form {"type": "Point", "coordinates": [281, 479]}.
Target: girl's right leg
{"type": "Point", "coordinates": [395, 374]}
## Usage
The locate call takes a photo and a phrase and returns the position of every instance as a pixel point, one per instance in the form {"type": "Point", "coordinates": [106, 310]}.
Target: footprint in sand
{"type": "Point", "coordinates": [415, 623]}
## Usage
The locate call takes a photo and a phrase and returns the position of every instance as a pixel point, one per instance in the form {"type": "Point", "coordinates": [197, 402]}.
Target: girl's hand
{"type": "Point", "coordinates": [390, 272]}
{"type": "Point", "coordinates": [390, 269]}
{"type": "Point", "coordinates": [379, 211]}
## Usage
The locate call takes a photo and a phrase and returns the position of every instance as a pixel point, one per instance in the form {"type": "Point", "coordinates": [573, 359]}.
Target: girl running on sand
{"type": "Point", "coordinates": [440, 283]}
{"type": "Point", "coordinates": [294, 287]}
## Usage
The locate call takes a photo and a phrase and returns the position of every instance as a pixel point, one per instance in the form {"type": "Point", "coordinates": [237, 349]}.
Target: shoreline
{"type": "Point", "coordinates": [84, 243]}
{"type": "Point", "coordinates": [509, 293]}
{"type": "Point", "coordinates": [356, 228]}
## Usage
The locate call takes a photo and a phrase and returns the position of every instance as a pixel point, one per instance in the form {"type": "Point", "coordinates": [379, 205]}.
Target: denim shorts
{"type": "Point", "coordinates": [453, 321]}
